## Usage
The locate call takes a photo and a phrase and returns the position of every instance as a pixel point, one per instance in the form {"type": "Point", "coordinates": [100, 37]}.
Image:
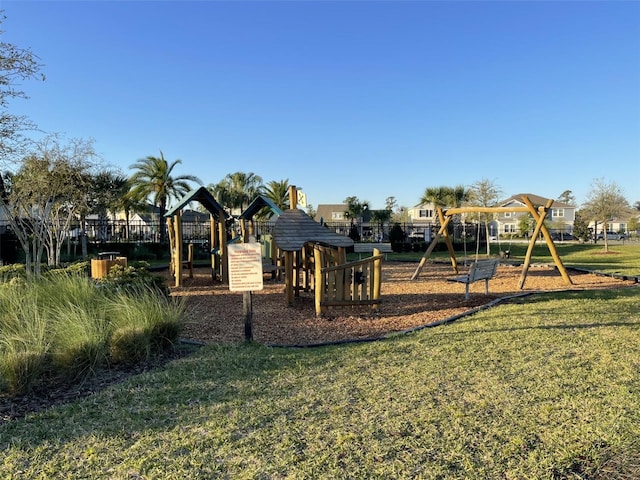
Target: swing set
{"type": "Point", "coordinates": [539, 214]}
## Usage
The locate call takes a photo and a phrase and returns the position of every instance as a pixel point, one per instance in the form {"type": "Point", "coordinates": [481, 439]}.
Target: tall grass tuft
{"type": "Point", "coordinates": [66, 327]}
{"type": "Point", "coordinates": [145, 322]}
{"type": "Point", "coordinates": [24, 341]}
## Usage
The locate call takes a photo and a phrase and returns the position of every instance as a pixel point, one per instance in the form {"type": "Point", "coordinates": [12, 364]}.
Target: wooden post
{"type": "Point", "coordinates": [172, 253]}
{"type": "Point", "coordinates": [318, 283]}
{"type": "Point", "coordinates": [452, 255]}
{"type": "Point", "coordinates": [431, 247]}
{"type": "Point", "coordinates": [247, 311]}
{"type": "Point", "coordinates": [222, 238]}
{"type": "Point", "coordinates": [540, 227]}
{"type": "Point", "coordinates": [212, 243]}
{"type": "Point", "coordinates": [243, 229]}
{"type": "Point", "coordinates": [377, 278]}
{"type": "Point", "coordinates": [178, 249]}
{"type": "Point", "coordinates": [288, 278]}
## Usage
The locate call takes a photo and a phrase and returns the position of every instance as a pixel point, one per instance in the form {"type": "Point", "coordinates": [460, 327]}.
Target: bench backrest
{"type": "Point", "coordinates": [368, 247]}
{"type": "Point", "coordinates": [483, 269]}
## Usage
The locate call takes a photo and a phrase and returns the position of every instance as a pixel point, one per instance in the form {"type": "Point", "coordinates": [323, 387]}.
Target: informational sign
{"type": "Point", "coordinates": [245, 267]}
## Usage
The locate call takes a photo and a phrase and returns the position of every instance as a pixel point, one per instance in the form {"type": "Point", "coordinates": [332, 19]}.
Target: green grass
{"type": "Point", "coordinates": [543, 388]}
{"type": "Point", "coordinates": [623, 259]}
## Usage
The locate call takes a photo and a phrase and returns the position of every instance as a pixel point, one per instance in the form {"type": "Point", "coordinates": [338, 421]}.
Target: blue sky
{"type": "Point", "coordinates": [347, 98]}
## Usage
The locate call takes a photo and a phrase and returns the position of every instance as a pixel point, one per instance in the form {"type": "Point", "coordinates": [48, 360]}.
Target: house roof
{"type": "Point", "coordinates": [294, 228]}
{"type": "Point", "coordinates": [202, 195]}
{"type": "Point", "coordinates": [325, 211]}
{"type": "Point", "coordinates": [258, 204]}
{"type": "Point", "coordinates": [537, 201]}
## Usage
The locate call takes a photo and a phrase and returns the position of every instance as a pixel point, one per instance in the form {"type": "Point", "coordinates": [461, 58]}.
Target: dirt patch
{"type": "Point", "coordinates": [214, 314]}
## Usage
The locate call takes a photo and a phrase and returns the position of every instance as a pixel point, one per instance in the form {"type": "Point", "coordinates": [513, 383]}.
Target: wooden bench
{"type": "Point", "coordinates": [368, 247]}
{"type": "Point", "coordinates": [480, 270]}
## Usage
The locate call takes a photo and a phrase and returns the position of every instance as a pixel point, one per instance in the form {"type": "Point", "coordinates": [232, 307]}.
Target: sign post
{"type": "Point", "coordinates": [245, 275]}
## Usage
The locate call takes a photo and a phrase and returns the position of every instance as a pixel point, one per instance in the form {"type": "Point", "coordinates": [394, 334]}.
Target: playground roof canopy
{"type": "Point", "coordinates": [202, 195]}
{"type": "Point", "coordinates": [258, 204]}
{"type": "Point", "coordinates": [294, 228]}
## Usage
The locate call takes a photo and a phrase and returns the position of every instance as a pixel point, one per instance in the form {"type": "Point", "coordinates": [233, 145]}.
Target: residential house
{"type": "Point", "coordinates": [618, 224]}
{"type": "Point", "coordinates": [560, 218]}
{"type": "Point", "coordinates": [335, 217]}
{"type": "Point", "coordinates": [422, 218]}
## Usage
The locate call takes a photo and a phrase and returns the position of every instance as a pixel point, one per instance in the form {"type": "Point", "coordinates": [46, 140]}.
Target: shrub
{"type": "Point", "coordinates": [132, 277]}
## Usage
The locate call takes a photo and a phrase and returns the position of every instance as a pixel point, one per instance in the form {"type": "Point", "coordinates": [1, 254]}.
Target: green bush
{"type": "Point", "coordinates": [132, 277]}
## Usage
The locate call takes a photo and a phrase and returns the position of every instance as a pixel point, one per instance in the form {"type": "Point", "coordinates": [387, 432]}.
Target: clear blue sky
{"type": "Point", "coordinates": [347, 98]}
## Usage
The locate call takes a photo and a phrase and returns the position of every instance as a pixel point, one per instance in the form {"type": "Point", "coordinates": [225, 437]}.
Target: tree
{"type": "Point", "coordinates": [355, 209]}
{"type": "Point", "coordinates": [445, 196]}
{"type": "Point", "coordinates": [391, 204]}
{"type": "Point", "coordinates": [153, 180]}
{"type": "Point", "coordinates": [484, 193]}
{"type": "Point", "coordinates": [567, 197]}
{"type": "Point", "coordinates": [581, 227]}
{"type": "Point", "coordinates": [605, 201]}
{"type": "Point", "coordinates": [16, 65]}
{"type": "Point", "coordinates": [44, 196]}
{"type": "Point", "coordinates": [278, 193]}
{"type": "Point", "coordinates": [237, 190]}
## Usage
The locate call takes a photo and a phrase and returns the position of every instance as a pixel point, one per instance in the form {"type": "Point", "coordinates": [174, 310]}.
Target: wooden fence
{"type": "Point", "coordinates": [346, 284]}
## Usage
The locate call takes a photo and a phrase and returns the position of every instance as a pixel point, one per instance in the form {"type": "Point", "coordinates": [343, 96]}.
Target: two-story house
{"type": "Point", "coordinates": [560, 218]}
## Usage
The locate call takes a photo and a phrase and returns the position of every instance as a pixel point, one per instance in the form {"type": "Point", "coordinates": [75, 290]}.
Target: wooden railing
{"type": "Point", "coordinates": [346, 284]}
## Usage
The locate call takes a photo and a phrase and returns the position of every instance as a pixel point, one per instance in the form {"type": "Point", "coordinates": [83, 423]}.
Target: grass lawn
{"type": "Point", "coordinates": [622, 258]}
{"type": "Point", "coordinates": [546, 388]}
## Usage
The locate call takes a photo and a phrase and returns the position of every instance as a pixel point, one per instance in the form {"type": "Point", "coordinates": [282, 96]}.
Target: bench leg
{"type": "Point", "coordinates": [466, 291]}
{"type": "Point", "coordinates": [486, 286]}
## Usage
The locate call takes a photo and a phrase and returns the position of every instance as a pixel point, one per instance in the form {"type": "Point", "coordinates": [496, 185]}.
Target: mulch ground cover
{"type": "Point", "coordinates": [214, 314]}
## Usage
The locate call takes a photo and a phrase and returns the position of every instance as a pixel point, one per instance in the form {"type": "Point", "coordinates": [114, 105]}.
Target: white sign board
{"type": "Point", "coordinates": [245, 267]}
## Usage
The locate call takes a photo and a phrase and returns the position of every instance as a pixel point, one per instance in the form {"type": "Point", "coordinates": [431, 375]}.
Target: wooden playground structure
{"type": "Point", "coordinates": [310, 256]}
{"type": "Point", "coordinates": [218, 236]}
{"type": "Point", "coordinates": [539, 214]}
{"type": "Point", "coordinates": [315, 258]}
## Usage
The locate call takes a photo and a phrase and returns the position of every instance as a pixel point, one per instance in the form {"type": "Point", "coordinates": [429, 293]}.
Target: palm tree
{"type": "Point", "coordinates": [237, 190]}
{"type": "Point", "coordinates": [278, 193]}
{"type": "Point", "coordinates": [485, 193]}
{"type": "Point", "coordinates": [445, 196]}
{"type": "Point", "coordinates": [153, 180]}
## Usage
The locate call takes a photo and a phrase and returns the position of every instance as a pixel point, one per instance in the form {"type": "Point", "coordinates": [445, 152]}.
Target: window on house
{"type": "Point", "coordinates": [557, 212]}
{"type": "Point", "coordinates": [337, 215]}
{"type": "Point", "coordinates": [425, 213]}
{"type": "Point", "coordinates": [510, 228]}
{"type": "Point", "coordinates": [507, 214]}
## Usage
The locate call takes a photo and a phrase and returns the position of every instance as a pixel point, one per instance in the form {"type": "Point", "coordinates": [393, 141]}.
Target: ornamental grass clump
{"type": "Point", "coordinates": [66, 327]}
{"type": "Point", "coordinates": [24, 343]}
{"type": "Point", "coordinates": [145, 322]}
